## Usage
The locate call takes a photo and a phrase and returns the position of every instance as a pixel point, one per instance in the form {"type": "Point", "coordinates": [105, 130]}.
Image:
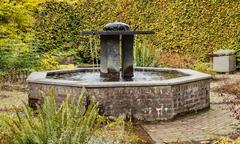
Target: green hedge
{"type": "Point", "coordinates": [190, 27]}
{"type": "Point", "coordinates": [16, 32]}
{"type": "Point", "coordinates": [182, 26]}
{"type": "Point", "coordinates": [57, 27]}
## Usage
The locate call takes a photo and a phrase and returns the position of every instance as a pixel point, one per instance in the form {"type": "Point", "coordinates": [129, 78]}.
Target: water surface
{"type": "Point", "coordinates": [94, 76]}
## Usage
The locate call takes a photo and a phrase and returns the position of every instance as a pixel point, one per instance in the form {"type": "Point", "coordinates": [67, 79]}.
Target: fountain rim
{"type": "Point", "coordinates": [93, 32]}
{"type": "Point", "coordinates": [191, 76]}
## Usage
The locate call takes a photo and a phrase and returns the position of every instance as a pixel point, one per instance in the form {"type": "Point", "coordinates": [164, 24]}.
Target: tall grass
{"type": "Point", "coordinates": [71, 123]}
{"type": "Point", "coordinates": [144, 57]}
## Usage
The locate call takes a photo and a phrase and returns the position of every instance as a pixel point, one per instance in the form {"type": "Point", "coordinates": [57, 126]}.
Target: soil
{"type": "Point", "coordinates": [232, 88]}
{"type": "Point", "coordinates": [141, 133]}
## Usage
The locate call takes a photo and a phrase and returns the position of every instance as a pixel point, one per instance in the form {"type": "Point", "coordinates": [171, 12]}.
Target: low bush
{"type": "Point", "coordinates": [234, 99]}
{"type": "Point", "coordinates": [15, 62]}
{"type": "Point", "coordinates": [180, 60]}
{"type": "Point", "coordinates": [175, 60]}
{"type": "Point", "coordinates": [144, 57]}
{"type": "Point", "coordinates": [48, 62]}
{"type": "Point", "coordinates": [203, 67]}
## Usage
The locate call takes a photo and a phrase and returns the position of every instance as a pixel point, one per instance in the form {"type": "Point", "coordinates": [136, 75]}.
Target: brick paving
{"type": "Point", "coordinates": [197, 127]}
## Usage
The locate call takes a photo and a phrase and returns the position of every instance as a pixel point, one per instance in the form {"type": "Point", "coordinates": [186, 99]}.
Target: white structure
{"type": "Point", "coordinates": [226, 63]}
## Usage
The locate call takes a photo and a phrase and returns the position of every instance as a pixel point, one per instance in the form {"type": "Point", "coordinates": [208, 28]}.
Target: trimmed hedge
{"type": "Point", "coordinates": [57, 27]}
{"type": "Point", "coordinates": [183, 26]}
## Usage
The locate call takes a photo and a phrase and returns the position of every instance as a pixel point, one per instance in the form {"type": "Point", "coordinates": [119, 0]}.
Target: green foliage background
{"type": "Point", "coordinates": [16, 22]}
{"type": "Point", "coordinates": [189, 27]}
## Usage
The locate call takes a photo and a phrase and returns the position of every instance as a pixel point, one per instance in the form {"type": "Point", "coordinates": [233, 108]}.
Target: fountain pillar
{"type": "Point", "coordinates": [110, 57]}
{"type": "Point", "coordinates": [127, 56]}
{"type": "Point", "coordinates": [110, 38]}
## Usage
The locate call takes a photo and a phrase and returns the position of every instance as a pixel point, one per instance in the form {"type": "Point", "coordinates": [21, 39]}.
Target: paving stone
{"type": "Point", "coordinates": [197, 127]}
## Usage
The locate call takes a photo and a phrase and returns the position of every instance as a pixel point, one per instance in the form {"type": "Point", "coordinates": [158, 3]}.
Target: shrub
{"type": "Point", "coordinates": [194, 28]}
{"type": "Point", "coordinates": [88, 51]}
{"type": "Point", "coordinates": [203, 67]}
{"type": "Point", "coordinates": [176, 60]}
{"type": "Point", "coordinates": [69, 66]}
{"type": "Point", "coordinates": [48, 62]}
{"type": "Point", "coordinates": [72, 122]}
{"type": "Point", "coordinates": [144, 56]}
{"type": "Point", "coordinates": [13, 62]}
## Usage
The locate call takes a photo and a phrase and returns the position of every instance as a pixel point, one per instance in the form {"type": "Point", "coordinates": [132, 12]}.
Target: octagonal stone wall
{"type": "Point", "coordinates": [145, 102]}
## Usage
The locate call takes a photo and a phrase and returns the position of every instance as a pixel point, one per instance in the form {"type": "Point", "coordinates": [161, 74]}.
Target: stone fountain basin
{"type": "Point", "coordinates": [140, 100]}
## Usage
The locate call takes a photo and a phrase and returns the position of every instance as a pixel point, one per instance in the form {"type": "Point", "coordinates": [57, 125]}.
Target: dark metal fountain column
{"type": "Point", "coordinates": [110, 56]}
{"type": "Point", "coordinates": [110, 50]}
{"type": "Point", "coordinates": [127, 56]}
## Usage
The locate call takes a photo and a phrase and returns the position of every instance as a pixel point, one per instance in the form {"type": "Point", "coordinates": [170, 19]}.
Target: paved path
{"type": "Point", "coordinates": [199, 127]}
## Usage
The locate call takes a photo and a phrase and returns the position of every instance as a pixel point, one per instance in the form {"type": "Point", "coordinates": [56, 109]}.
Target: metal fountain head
{"type": "Point", "coordinates": [110, 39]}
{"type": "Point", "coordinates": [116, 26]}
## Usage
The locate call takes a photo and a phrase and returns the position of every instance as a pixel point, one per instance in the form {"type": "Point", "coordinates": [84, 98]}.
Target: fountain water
{"type": "Point", "coordinates": [146, 94]}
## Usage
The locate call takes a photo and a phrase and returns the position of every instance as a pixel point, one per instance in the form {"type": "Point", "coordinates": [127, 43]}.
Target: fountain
{"type": "Point", "coordinates": [140, 93]}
